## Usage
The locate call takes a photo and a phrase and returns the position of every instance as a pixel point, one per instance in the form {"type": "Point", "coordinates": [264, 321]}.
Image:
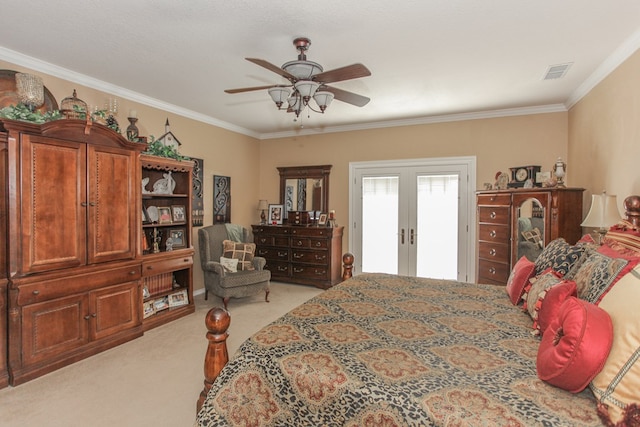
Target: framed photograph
{"type": "Point", "coordinates": [275, 214]}
{"type": "Point", "coordinates": [145, 292]}
{"type": "Point", "coordinates": [179, 298]}
{"type": "Point", "coordinates": [148, 309]}
{"type": "Point", "coordinates": [178, 213]}
{"type": "Point", "coordinates": [322, 219]}
{"type": "Point", "coordinates": [177, 237]}
{"type": "Point", "coordinates": [161, 304]}
{"type": "Point", "coordinates": [164, 215]}
{"type": "Point", "coordinates": [542, 177]}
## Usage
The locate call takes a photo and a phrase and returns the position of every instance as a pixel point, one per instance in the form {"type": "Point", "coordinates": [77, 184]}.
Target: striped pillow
{"type": "Point", "coordinates": [616, 386]}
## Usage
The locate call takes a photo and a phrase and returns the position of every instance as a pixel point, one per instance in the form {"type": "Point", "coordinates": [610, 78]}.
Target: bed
{"type": "Point", "coordinates": [390, 350]}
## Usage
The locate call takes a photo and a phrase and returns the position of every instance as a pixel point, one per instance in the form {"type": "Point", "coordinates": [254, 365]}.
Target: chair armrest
{"type": "Point", "coordinates": [259, 262]}
{"type": "Point", "coordinates": [215, 267]}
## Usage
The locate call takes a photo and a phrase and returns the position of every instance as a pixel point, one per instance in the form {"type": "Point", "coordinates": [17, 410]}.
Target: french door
{"type": "Point", "coordinates": [412, 217]}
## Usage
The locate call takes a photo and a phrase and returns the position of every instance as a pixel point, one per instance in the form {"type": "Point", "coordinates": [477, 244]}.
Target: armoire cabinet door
{"type": "Point", "coordinates": [53, 218]}
{"type": "Point", "coordinates": [54, 327]}
{"type": "Point", "coordinates": [114, 309]}
{"type": "Point", "coordinates": [111, 204]}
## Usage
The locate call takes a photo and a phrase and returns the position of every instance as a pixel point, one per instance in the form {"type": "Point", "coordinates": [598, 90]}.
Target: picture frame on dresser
{"type": "Point", "coordinates": [275, 214]}
{"type": "Point", "coordinates": [322, 219]}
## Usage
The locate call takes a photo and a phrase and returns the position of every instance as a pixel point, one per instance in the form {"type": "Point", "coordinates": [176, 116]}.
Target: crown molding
{"type": "Point", "coordinates": [93, 83]}
{"type": "Point", "coordinates": [491, 114]}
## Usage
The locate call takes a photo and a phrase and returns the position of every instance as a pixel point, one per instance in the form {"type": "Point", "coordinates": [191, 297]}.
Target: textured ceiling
{"type": "Point", "coordinates": [427, 58]}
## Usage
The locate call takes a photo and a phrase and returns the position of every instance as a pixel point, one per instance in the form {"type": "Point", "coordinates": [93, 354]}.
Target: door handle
{"type": "Point", "coordinates": [402, 236]}
{"type": "Point", "coordinates": [411, 237]}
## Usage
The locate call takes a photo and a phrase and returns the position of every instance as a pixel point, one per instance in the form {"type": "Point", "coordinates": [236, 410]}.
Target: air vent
{"type": "Point", "coordinates": [557, 71]}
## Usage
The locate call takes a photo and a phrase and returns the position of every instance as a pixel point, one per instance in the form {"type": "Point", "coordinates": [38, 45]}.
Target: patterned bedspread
{"type": "Point", "coordinates": [385, 350]}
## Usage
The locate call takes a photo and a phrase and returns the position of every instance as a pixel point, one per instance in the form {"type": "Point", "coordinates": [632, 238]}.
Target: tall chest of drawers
{"type": "Point", "coordinates": [304, 255]}
{"type": "Point", "coordinates": [505, 216]}
{"type": "Point", "coordinates": [494, 237]}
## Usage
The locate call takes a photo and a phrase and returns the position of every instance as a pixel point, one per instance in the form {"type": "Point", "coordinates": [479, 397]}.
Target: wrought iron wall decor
{"type": "Point", "coordinates": [221, 199]}
{"type": "Point", "coordinates": [197, 203]}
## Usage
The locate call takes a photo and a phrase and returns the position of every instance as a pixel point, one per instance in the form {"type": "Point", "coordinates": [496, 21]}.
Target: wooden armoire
{"type": "Point", "coordinates": [72, 227]}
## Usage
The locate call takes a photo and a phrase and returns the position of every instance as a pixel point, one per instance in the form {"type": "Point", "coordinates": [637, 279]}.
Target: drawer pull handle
{"type": "Point", "coordinates": [318, 244]}
{"type": "Point", "coordinates": [492, 270]}
{"type": "Point", "coordinates": [298, 256]}
{"type": "Point", "coordinates": [149, 267]}
{"type": "Point", "coordinates": [36, 292]}
{"type": "Point", "coordinates": [492, 252]}
{"type": "Point", "coordinates": [282, 254]}
{"type": "Point", "coordinates": [492, 233]}
{"type": "Point", "coordinates": [321, 257]}
{"type": "Point", "coordinates": [320, 273]}
{"type": "Point", "coordinates": [132, 273]}
{"type": "Point", "coordinates": [263, 240]}
{"type": "Point", "coordinates": [299, 243]}
{"type": "Point", "coordinates": [186, 260]}
{"type": "Point", "coordinates": [298, 270]}
{"type": "Point", "coordinates": [87, 317]}
{"type": "Point", "coordinates": [282, 268]}
{"type": "Point", "coordinates": [492, 215]}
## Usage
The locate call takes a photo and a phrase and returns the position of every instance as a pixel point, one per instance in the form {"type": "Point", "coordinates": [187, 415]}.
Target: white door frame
{"type": "Point", "coordinates": [468, 161]}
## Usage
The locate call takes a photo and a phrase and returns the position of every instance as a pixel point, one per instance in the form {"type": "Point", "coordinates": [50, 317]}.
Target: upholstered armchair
{"type": "Point", "coordinates": [218, 279]}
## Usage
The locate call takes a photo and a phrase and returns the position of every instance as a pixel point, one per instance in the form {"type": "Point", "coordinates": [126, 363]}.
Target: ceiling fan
{"type": "Point", "coordinates": [308, 80]}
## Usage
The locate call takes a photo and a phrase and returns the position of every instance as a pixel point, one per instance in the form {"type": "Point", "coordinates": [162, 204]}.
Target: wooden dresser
{"type": "Point", "coordinates": [505, 217]}
{"type": "Point", "coordinates": [304, 255]}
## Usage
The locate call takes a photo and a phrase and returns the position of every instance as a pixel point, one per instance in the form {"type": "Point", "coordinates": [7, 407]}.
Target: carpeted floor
{"type": "Point", "coordinates": [154, 380]}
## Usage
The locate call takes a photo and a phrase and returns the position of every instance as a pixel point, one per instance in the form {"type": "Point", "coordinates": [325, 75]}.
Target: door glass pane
{"type": "Point", "coordinates": [437, 226]}
{"type": "Point", "coordinates": [380, 224]}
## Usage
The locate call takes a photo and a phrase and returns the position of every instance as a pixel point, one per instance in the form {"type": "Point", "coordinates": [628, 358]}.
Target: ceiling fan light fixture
{"type": "Point", "coordinates": [323, 98]}
{"type": "Point", "coordinates": [306, 88]}
{"type": "Point", "coordinates": [279, 95]}
{"type": "Point", "coordinates": [302, 69]}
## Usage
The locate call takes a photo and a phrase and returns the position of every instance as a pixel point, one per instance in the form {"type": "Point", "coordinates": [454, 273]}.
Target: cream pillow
{"type": "Point", "coordinates": [230, 265]}
{"type": "Point", "coordinates": [618, 383]}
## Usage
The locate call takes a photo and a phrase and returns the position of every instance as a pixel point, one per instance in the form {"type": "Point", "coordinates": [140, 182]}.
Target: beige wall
{"type": "Point", "coordinates": [497, 143]}
{"type": "Point", "coordinates": [599, 139]}
{"type": "Point", "coordinates": [224, 152]}
{"type": "Point", "coordinates": [604, 134]}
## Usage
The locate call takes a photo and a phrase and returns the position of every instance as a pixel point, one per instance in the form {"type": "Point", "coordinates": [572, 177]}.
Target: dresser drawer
{"type": "Point", "coordinates": [278, 268]}
{"type": "Point", "coordinates": [493, 252]}
{"type": "Point", "coordinates": [494, 199]}
{"type": "Point", "coordinates": [312, 257]}
{"type": "Point", "coordinates": [493, 272]}
{"type": "Point", "coordinates": [312, 231]}
{"type": "Point", "coordinates": [493, 214]}
{"type": "Point", "coordinates": [281, 254]}
{"type": "Point", "coordinates": [311, 272]}
{"type": "Point", "coordinates": [300, 242]}
{"type": "Point", "coordinates": [494, 233]}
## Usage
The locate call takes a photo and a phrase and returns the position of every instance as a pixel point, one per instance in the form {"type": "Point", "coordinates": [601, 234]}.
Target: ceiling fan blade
{"type": "Point", "coordinates": [269, 66]}
{"type": "Point", "coordinates": [352, 71]}
{"type": "Point", "coordinates": [348, 97]}
{"type": "Point", "coordinates": [248, 89]}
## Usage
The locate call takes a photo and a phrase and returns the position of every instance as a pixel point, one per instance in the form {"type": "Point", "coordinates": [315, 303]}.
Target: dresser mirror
{"type": "Point", "coordinates": [305, 188]}
{"type": "Point", "coordinates": [530, 229]}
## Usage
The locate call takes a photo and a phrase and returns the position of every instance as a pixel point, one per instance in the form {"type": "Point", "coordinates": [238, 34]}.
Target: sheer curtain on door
{"type": "Point", "coordinates": [437, 226]}
{"type": "Point", "coordinates": [380, 224]}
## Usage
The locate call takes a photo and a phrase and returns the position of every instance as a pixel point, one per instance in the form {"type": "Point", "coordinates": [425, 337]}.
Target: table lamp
{"type": "Point", "coordinates": [602, 214]}
{"type": "Point", "coordinates": [263, 205]}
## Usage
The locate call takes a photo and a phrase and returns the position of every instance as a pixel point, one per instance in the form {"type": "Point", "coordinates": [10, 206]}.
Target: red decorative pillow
{"type": "Point", "coordinates": [575, 345]}
{"type": "Point", "coordinates": [552, 299]}
{"type": "Point", "coordinates": [518, 279]}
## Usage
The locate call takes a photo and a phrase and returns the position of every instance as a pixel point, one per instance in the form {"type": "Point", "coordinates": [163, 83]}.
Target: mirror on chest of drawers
{"type": "Point", "coordinates": [305, 188]}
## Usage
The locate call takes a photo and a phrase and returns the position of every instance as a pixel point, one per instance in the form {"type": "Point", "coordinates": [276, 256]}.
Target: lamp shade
{"type": "Point", "coordinates": [279, 94]}
{"type": "Point", "coordinates": [263, 205]}
{"type": "Point", "coordinates": [323, 99]}
{"type": "Point", "coordinates": [603, 212]}
{"type": "Point", "coordinates": [306, 88]}
{"type": "Point", "coordinates": [302, 69]}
